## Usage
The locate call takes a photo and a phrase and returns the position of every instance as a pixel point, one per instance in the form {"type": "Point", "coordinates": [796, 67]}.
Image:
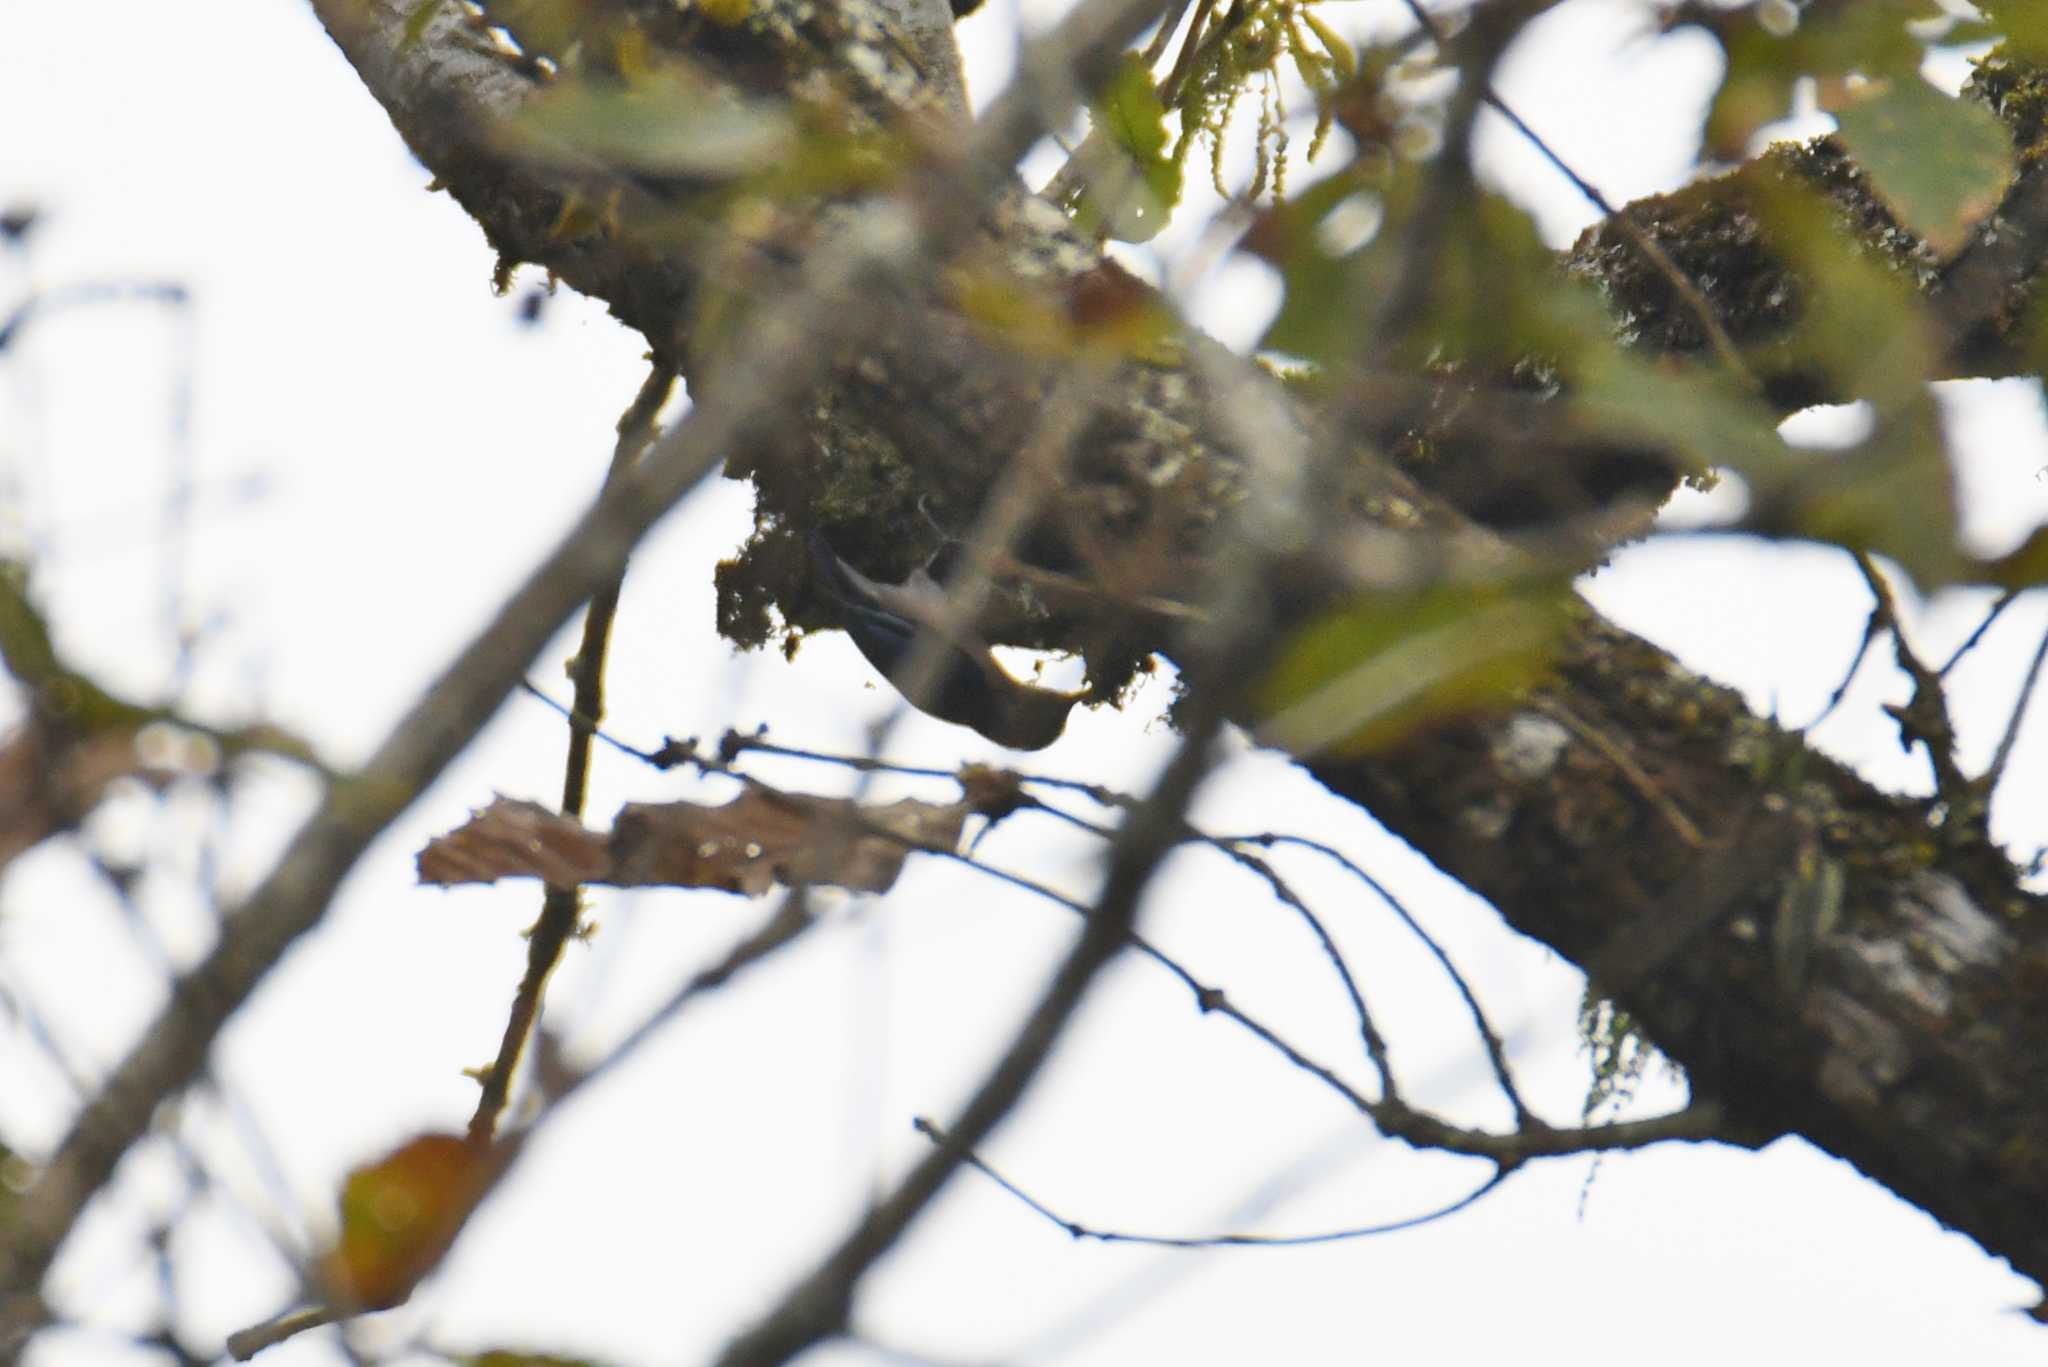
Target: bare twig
{"type": "Point", "coordinates": [1496, 1052]}
{"type": "Point", "coordinates": [1169, 22]}
{"type": "Point", "coordinates": [1646, 787]}
{"type": "Point", "coordinates": [818, 1306]}
{"type": "Point", "coordinates": [1681, 284]}
{"type": "Point", "coordinates": [244, 1344]}
{"type": "Point", "coordinates": [782, 350]}
{"type": "Point", "coordinates": [2019, 715]}
{"type": "Point", "coordinates": [1108, 1236]}
{"type": "Point", "coordinates": [1375, 1043]}
{"type": "Point", "coordinates": [1924, 718]}
{"type": "Point", "coordinates": [1230, 848]}
{"type": "Point", "coordinates": [46, 302]}
{"type": "Point", "coordinates": [1873, 627]}
{"type": "Point", "coordinates": [1531, 1138]}
{"type": "Point", "coordinates": [736, 743]}
{"type": "Point", "coordinates": [780, 353]}
{"type": "Point", "coordinates": [1198, 31]}
{"type": "Point", "coordinates": [1206, 997]}
{"type": "Point", "coordinates": [561, 907]}
{"type": "Point", "coordinates": [1991, 615]}
{"type": "Point", "coordinates": [789, 920]}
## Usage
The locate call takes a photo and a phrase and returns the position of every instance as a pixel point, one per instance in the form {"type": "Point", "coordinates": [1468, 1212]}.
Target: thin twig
{"type": "Point", "coordinates": [1375, 1043]}
{"type": "Point", "coordinates": [1681, 284]}
{"type": "Point", "coordinates": [737, 742]}
{"type": "Point", "coordinates": [790, 919]}
{"type": "Point", "coordinates": [1169, 88]}
{"type": "Point", "coordinates": [247, 1343]}
{"type": "Point", "coordinates": [1107, 1236]}
{"type": "Point", "coordinates": [1873, 627]}
{"type": "Point", "coordinates": [1496, 1051]}
{"type": "Point", "coordinates": [1997, 609]}
{"type": "Point", "coordinates": [780, 353]}
{"type": "Point", "coordinates": [1646, 787]}
{"type": "Point", "coordinates": [1168, 24]}
{"type": "Point", "coordinates": [1923, 718]}
{"type": "Point", "coordinates": [818, 1306]}
{"type": "Point", "coordinates": [561, 908]}
{"type": "Point", "coordinates": [2019, 715]}
{"type": "Point", "coordinates": [1531, 1138]}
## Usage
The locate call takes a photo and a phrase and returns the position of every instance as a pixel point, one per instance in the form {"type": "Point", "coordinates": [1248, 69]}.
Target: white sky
{"type": "Point", "coordinates": [411, 450]}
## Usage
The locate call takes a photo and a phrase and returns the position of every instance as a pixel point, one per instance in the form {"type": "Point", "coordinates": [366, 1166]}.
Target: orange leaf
{"type": "Point", "coordinates": [399, 1216]}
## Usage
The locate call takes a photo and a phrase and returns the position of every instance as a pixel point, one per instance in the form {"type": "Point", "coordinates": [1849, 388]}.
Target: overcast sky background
{"type": "Point", "coordinates": [377, 449]}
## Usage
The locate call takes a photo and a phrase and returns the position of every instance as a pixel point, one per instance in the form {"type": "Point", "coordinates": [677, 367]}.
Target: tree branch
{"type": "Point", "coordinates": [1909, 1044]}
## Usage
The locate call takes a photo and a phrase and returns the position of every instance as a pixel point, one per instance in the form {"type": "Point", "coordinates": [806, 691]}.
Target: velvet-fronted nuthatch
{"type": "Point", "coordinates": [969, 688]}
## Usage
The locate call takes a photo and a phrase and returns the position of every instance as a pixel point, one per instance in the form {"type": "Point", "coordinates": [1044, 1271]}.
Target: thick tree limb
{"type": "Point", "coordinates": [1868, 981]}
{"type": "Point", "coordinates": [1910, 1040]}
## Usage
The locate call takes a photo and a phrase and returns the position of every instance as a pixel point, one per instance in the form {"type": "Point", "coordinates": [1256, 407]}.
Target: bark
{"type": "Point", "coordinates": [1824, 959]}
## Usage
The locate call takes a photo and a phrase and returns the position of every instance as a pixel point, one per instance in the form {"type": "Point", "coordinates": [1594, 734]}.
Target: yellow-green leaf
{"type": "Point", "coordinates": [2023, 568]}
{"type": "Point", "coordinates": [1491, 294]}
{"type": "Point", "coordinates": [1366, 675]}
{"type": "Point", "coordinates": [2024, 24]}
{"type": "Point", "coordinates": [1891, 494]}
{"type": "Point", "coordinates": [1772, 46]}
{"type": "Point", "coordinates": [1862, 324]}
{"type": "Point", "coordinates": [1705, 415]}
{"type": "Point", "coordinates": [1941, 165]}
{"type": "Point", "coordinates": [1130, 183]}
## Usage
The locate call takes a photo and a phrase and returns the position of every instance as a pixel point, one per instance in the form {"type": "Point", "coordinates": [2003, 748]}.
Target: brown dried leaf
{"type": "Point", "coordinates": [746, 846]}
{"type": "Point", "coordinates": [761, 838]}
{"type": "Point", "coordinates": [513, 839]}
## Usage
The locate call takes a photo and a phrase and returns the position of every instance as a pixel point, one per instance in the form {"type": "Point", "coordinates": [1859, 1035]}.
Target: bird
{"type": "Point", "coordinates": [969, 688]}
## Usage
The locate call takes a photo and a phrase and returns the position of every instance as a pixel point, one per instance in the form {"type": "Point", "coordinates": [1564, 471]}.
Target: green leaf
{"type": "Point", "coordinates": [1756, 90]}
{"type": "Point", "coordinates": [1861, 322]}
{"type": "Point", "coordinates": [1703, 415]}
{"type": "Point", "coordinates": [1941, 165]}
{"type": "Point", "coordinates": [1772, 46]}
{"type": "Point", "coordinates": [1366, 675]}
{"type": "Point", "coordinates": [2024, 23]}
{"type": "Point", "coordinates": [1476, 285]}
{"type": "Point", "coordinates": [2023, 568]}
{"type": "Point", "coordinates": [1329, 273]}
{"type": "Point", "coordinates": [1860, 330]}
{"type": "Point", "coordinates": [1891, 494]}
{"type": "Point", "coordinates": [1130, 184]}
